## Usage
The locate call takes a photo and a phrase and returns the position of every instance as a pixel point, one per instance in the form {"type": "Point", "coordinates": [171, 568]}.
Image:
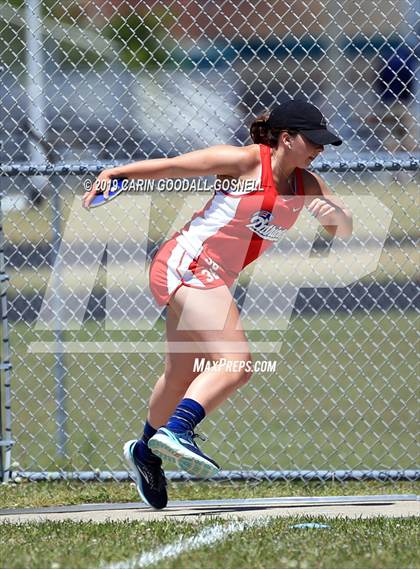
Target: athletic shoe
{"type": "Point", "coordinates": [182, 449]}
{"type": "Point", "coordinates": [150, 478]}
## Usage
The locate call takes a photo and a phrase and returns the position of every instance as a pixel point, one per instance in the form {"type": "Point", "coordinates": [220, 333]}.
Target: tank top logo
{"type": "Point", "coordinates": [259, 224]}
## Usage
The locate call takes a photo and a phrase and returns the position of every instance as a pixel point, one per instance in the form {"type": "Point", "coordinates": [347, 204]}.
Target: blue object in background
{"type": "Point", "coordinates": [396, 81]}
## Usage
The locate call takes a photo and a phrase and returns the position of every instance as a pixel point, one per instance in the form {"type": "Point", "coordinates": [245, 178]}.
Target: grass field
{"type": "Point", "coordinates": [343, 396]}
{"type": "Point", "coordinates": [348, 544]}
{"type": "Point", "coordinates": [354, 544]}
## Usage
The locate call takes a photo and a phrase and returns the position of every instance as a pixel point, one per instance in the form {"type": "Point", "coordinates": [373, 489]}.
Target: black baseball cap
{"type": "Point", "coordinates": [305, 118]}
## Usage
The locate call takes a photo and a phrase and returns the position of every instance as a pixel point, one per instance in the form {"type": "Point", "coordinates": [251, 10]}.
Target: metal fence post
{"type": "Point", "coordinates": [6, 441]}
{"type": "Point", "coordinates": [58, 326]}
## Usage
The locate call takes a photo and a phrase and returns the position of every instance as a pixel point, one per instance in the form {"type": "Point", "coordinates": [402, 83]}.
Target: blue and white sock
{"type": "Point", "coordinates": [186, 416]}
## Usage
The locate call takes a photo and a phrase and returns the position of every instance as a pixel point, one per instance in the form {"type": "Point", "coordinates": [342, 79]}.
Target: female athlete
{"type": "Point", "coordinates": [192, 272]}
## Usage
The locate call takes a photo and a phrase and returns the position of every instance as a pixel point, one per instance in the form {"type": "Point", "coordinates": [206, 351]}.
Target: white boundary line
{"type": "Point", "coordinates": [207, 536]}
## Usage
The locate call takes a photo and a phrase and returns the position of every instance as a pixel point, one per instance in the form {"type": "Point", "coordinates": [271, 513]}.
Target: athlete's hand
{"type": "Point", "coordinates": [321, 208]}
{"type": "Point", "coordinates": [101, 184]}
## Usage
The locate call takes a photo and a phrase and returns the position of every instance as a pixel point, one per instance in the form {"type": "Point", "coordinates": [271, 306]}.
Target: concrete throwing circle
{"type": "Point", "coordinates": [389, 505]}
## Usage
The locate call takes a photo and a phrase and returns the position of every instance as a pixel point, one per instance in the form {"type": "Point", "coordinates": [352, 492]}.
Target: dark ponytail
{"type": "Point", "coordinates": [261, 133]}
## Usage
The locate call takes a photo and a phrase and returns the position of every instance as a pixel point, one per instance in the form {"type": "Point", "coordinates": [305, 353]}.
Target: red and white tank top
{"type": "Point", "coordinates": [233, 229]}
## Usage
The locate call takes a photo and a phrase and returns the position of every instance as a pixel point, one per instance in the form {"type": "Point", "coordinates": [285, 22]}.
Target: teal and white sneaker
{"type": "Point", "coordinates": [182, 449]}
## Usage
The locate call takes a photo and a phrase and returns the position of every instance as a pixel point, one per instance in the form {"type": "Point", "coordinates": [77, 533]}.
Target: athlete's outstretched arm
{"type": "Point", "coordinates": [220, 159]}
{"type": "Point", "coordinates": [330, 211]}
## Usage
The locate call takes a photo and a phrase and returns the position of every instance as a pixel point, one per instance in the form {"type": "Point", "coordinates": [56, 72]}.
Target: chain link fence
{"type": "Point", "coordinates": [92, 84]}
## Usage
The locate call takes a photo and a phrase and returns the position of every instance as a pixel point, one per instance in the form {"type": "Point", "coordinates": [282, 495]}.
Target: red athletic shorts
{"type": "Point", "coordinates": [173, 267]}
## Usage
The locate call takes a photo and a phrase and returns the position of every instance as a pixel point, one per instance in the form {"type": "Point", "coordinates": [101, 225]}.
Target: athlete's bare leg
{"type": "Point", "coordinates": [177, 377]}
{"type": "Point", "coordinates": [212, 320]}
